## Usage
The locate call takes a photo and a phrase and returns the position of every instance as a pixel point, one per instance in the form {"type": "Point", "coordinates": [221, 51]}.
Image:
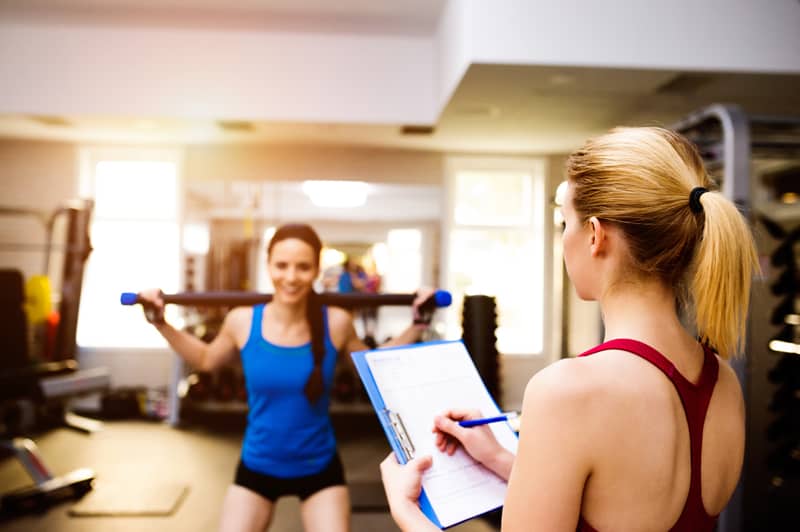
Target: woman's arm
{"type": "Point", "coordinates": [413, 332]}
{"type": "Point", "coordinates": [479, 442]}
{"type": "Point", "coordinates": [554, 457]}
{"type": "Point", "coordinates": [342, 322]}
{"type": "Point", "coordinates": [199, 354]}
{"type": "Point", "coordinates": [403, 483]}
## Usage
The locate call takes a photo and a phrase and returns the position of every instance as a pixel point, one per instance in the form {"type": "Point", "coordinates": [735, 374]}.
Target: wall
{"type": "Point", "coordinates": [201, 73]}
{"type": "Point", "coordinates": [298, 163]}
{"type": "Point", "coordinates": [36, 175]}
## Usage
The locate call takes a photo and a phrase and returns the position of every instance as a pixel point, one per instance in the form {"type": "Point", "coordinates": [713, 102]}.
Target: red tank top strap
{"type": "Point", "coordinates": [695, 398]}
{"type": "Point", "coordinates": [583, 526]}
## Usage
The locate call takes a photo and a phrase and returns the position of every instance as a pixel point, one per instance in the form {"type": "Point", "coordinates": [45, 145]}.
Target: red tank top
{"type": "Point", "coordinates": [695, 399]}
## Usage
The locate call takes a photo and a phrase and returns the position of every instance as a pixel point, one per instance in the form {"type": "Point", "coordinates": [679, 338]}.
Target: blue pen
{"type": "Point", "coordinates": [506, 416]}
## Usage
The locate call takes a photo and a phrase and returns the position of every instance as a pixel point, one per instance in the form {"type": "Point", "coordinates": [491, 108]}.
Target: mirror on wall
{"type": "Point", "coordinates": [390, 236]}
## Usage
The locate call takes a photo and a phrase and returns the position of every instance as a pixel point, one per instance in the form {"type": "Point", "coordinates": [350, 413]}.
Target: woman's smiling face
{"type": "Point", "coordinates": [293, 267]}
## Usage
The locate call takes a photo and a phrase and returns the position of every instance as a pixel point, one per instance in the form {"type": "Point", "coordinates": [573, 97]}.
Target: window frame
{"type": "Point", "coordinates": [89, 156]}
{"type": "Point", "coordinates": [536, 168]}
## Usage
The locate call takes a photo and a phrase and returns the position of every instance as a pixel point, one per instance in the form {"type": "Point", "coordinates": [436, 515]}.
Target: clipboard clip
{"type": "Point", "coordinates": [400, 432]}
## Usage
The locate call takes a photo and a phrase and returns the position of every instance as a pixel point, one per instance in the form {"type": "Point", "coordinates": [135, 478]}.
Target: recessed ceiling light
{"type": "Point", "coordinates": [560, 80]}
{"type": "Point", "coordinates": [145, 124]}
{"type": "Point", "coordinates": [477, 110]}
{"type": "Point", "coordinates": [336, 194]}
{"type": "Point", "coordinates": [51, 120]}
{"type": "Point", "coordinates": [417, 130]}
{"type": "Point", "coordinates": [236, 125]}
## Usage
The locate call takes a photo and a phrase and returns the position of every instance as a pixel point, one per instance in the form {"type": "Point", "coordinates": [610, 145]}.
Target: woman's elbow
{"type": "Point", "coordinates": [207, 363]}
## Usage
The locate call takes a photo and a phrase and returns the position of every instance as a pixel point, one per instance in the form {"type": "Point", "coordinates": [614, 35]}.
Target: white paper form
{"type": "Point", "coordinates": [420, 382]}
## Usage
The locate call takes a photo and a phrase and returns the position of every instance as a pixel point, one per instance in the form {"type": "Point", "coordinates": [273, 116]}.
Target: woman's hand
{"type": "Point", "coordinates": [403, 485]}
{"type": "Point", "coordinates": [414, 332]}
{"type": "Point", "coordinates": [479, 442]}
{"type": "Point", "coordinates": [422, 317]}
{"type": "Point", "coordinates": [153, 305]}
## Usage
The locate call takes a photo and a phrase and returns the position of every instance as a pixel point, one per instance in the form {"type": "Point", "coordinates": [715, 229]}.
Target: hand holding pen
{"type": "Point", "coordinates": [478, 441]}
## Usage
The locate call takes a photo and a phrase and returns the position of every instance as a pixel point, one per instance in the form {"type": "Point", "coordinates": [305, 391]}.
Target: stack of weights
{"type": "Point", "coordinates": [783, 432]}
{"type": "Point", "coordinates": [13, 319]}
{"type": "Point", "coordinates": [479, 325]}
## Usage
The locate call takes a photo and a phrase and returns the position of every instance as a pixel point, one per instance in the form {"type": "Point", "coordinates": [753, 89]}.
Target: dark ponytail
{"type": "Point", "coordinates": [315, 385]}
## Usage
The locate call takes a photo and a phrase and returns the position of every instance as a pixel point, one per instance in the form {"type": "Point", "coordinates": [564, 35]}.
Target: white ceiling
{"type": "Point", "coordinates": [496, 108]}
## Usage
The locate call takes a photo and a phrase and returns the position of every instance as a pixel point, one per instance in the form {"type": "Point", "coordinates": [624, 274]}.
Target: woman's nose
{"type": "Point", "coordinates": [291, 274]}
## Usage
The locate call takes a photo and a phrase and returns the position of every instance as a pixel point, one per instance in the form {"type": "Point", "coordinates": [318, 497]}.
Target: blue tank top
{"type": "Point", "coordinates": [286, 436]}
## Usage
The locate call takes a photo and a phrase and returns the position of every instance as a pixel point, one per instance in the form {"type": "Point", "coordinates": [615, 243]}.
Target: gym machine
{"type": "Point", "coordinates": [756, 162]}
{"type": "Point", "coordinates": [39, 380]}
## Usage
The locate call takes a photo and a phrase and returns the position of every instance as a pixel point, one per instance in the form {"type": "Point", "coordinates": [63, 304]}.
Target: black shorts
{"type": "Point", "coordinates": [273, 488]}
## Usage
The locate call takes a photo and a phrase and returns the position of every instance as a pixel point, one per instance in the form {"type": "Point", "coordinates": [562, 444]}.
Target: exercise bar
{"type": "Point", "coordinates": [440, 298]}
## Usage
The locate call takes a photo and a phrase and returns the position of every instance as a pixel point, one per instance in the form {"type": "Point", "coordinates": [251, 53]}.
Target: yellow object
{"type": "Point", "coordinates": [38, 299]}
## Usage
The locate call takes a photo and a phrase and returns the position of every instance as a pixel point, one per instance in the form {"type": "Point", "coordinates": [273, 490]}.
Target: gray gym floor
{"type": "Point", "coordinates": [141, 454]}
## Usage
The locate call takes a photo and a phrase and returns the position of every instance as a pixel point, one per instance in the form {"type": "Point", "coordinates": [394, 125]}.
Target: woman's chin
{"type": "Point", "coordinates": [291, 298]}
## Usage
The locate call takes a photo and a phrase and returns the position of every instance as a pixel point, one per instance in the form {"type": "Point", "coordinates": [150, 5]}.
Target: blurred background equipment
{"type": "Point", "coordinates": [755, 161]}
{"type": "Point", "coordinates": [479, 336]}
{"type": "Point", "coordinates": [38, 368]}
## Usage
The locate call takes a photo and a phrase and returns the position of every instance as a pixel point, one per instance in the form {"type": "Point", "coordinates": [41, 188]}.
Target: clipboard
{"type": "Point", "coordinates": [396, 428]}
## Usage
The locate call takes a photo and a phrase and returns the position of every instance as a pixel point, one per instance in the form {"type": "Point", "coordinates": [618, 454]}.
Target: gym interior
{"type": "Point", "coordinates": [159, 144]}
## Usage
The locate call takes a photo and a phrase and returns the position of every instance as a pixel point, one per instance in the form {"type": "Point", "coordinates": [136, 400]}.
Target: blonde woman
{"type": "Point", "coordinates": [645, 431]}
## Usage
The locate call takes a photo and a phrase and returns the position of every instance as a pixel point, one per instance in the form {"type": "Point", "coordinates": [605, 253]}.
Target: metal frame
{"type": "Point", "coordinates": [736, 187]}
{"type": "Point", "coordinates": [737, 146]}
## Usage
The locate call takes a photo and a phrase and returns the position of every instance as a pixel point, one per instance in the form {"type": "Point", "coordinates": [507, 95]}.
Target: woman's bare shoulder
{"type": "Point", "coordinates": [239, 317]}
{"type": "Point", "coordinates": [339, 318]}
{"type": "Point", "coordinates": [602, 380]}
{"type": "Point", "coordinates": [339, 313]}
{"type": "Point", "coordinates": [569, 379]}
{"type": "Point", "coordinates": [571, 403]}
{"type": "Point", "coordinates": [576, 373]}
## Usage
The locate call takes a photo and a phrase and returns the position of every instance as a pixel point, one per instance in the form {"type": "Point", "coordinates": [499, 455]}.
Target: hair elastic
{"type": "Point", "coordinates": [694, 199]}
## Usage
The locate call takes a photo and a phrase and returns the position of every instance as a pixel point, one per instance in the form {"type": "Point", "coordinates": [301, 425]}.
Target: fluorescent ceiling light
{"type": "Point", "coordinates": [336, 194]}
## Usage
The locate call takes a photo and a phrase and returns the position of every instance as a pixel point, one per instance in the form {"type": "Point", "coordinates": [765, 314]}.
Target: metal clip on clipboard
{"type": "Point", "coordinates": [400, 432]}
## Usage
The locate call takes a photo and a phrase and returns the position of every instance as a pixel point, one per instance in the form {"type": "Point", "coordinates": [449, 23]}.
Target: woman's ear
{"type": "Point", "coordinates": [599, 237]}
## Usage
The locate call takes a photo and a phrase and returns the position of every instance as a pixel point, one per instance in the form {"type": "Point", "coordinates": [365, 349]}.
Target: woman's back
{"type": "Point", "coordinates": [641, 468]}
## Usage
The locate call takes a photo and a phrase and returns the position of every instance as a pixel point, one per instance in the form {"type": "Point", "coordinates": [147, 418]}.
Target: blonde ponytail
{"type": "Point", "coordinates": [724, 264]}
{"type": "Point", "coordinates": [642, 180]}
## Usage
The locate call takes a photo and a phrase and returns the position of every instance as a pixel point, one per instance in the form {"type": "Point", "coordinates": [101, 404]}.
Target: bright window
{"type": "Point", "coordinates": [404, 264]}
{"type": "Point", "coordinates": [136, 243]}
{"type": "Point", "coordinates": [496, 247]}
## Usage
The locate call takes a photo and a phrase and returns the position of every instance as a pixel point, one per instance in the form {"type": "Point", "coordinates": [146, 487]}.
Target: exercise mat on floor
{"type": "Point", "coordinates": [130, 499]}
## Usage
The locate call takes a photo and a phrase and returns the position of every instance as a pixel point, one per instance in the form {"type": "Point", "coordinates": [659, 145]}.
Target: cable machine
{"type": "Point", "coordinates": [76, 247]}
{"type": "Point", "coordinates": [756, 161]}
